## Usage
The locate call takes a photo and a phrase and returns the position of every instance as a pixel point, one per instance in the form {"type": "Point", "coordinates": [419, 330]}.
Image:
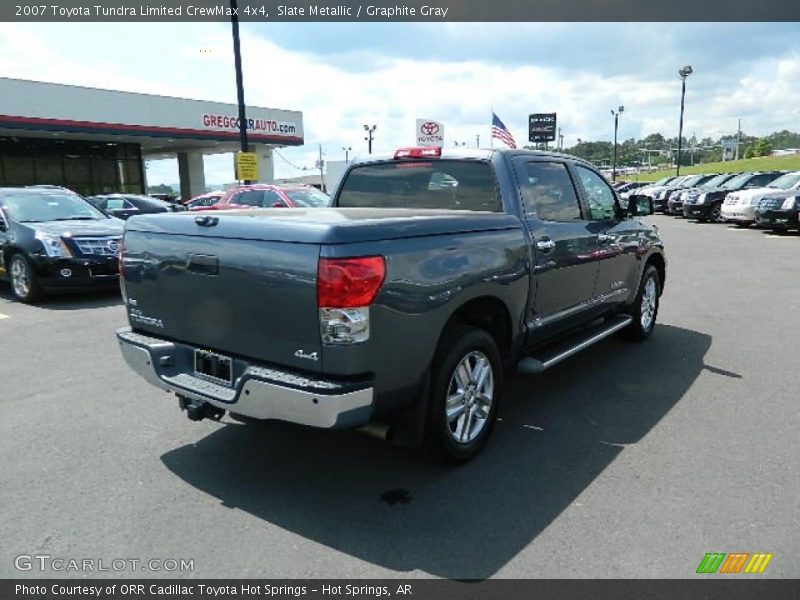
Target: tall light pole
{"type": "Point", "coordinates": [321, 165]}
{"type": "Point", "coordinates": [347, 150]}
{"type": "Point", "coordinates": [616, 114]}
{"type": "Point", "coordinates": [684, 73]}
{"type": "Point", "coordinates": [370, 130]}
{"type": "Point", "coordinates": [738, 138]}
{"type": "Point", "coordinates": [237, 61]}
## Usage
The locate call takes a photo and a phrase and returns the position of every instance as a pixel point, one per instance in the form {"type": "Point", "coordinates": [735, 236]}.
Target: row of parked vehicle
{"type": "Point", "coordinates": [53, 240]}
{"type": "Point", "coordinates": [768, 199]}
{"type": "Point", "coordinates": [261, 196]}
{"type": "Point", "coordinates": [124, 206]}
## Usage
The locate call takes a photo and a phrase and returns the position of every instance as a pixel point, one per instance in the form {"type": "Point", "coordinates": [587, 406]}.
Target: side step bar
{"type": "Point", "coordinates": [534, 366]}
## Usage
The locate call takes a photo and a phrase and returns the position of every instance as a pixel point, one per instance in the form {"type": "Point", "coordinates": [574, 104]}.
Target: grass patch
{"type": "Point", "coordinates": [765, 163]}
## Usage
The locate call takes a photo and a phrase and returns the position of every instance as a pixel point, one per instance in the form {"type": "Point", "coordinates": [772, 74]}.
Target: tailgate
{"type": "Point", "coordinates": [246, 297]}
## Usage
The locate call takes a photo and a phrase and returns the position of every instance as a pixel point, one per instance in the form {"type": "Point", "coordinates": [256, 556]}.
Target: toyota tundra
{"type": "Point", "coordinates": [398, 310]}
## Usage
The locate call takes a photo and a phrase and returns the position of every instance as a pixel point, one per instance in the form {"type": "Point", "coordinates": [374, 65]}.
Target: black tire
{"type": "Point", "coordinates": [458, 344]}
{"type": "Point", "coordinates": [638, 330]}
{"type": "Point", "coordinates": [30, 292]}
{"type": "Point", "coordinates": [715, 212]}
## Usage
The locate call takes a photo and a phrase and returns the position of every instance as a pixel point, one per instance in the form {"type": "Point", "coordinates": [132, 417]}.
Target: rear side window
{"type": "Point", "coordinates": [271, 198]}
{"type": "Point", "coordinates": [446, 184]}
{"type": "Point", "coordinates": [549, 192]}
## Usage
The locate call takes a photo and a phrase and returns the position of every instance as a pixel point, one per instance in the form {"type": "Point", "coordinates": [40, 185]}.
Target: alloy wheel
{"type": "Point", "coordinates": [649, 300]}
{"type": "Point", "coordinates": [469, 397]}
{"type": "Point", "coordinates": [20, 278]}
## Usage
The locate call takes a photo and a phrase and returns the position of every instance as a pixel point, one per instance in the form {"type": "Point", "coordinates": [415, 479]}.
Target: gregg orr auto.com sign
{"type": "Point", "coordinates": [229, 123]}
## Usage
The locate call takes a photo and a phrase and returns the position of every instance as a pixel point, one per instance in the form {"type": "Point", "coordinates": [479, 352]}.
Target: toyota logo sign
{"type": "Point", "coordinates": [430, 128]}
{"type": "Point", "coordinates": [113, 246]}
{"type": "Point", "coordinates": [430, 133]}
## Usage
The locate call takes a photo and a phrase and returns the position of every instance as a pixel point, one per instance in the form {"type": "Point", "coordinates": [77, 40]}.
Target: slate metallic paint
{"type": "Point", "coordinates": [436, 262]}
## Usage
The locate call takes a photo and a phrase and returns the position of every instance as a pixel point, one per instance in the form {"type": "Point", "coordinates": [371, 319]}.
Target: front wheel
{"type": "Point", "coordinates": [24, 282]}
{"type": "Point", "coordinates": [645, 308]}
{"type": "Point", "coordinates": [466, 385]}
{"type": "Point", "coordinates": [715, 213]}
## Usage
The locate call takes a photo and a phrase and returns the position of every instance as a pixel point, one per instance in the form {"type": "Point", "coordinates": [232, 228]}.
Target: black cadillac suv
{"type": "Point", "coordinates": [53, 240]}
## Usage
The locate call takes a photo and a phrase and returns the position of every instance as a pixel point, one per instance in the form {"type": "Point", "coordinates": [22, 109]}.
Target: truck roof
{"type": "Point", "coordinates": [475, 154]}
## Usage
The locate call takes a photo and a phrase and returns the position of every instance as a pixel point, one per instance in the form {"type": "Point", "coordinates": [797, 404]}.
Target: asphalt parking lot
{"type": "Point", "coordinates": [624, 461]}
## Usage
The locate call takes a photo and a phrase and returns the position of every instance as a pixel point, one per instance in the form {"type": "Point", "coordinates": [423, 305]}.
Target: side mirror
{"type": "Point", "coordinates": [640, 205]}
{"type": "Point", "coordinates": [3, 224]}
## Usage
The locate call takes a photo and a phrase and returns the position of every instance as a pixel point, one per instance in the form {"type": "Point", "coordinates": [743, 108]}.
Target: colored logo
{"type": "Point", "coordinates": [430, 128]}
{"type": "Point", "coordinates": [735, 562]}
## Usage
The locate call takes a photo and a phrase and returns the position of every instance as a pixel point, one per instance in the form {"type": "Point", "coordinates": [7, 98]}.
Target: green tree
{"type": "Point", "coordinates": [762, 148]}
{"type": "Point", "coordinates": [161, 188]}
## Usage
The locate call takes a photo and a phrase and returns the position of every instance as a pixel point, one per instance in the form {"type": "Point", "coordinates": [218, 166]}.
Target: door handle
{"type": "Point", "coordinates": [206, 221]}
{"type": "Point", "coordinates": [605, 238]}
{"type": "Point", "coordinates": [545, 245]}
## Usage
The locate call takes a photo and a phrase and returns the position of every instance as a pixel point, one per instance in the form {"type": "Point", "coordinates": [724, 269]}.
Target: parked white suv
{"type": "Point", "coordinates": [740, 206]}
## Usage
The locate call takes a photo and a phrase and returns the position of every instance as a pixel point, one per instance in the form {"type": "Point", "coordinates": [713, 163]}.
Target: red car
{"type": "Point", "coordinates": [269, 196]}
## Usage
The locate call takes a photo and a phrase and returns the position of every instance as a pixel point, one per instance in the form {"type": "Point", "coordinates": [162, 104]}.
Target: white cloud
{"type": "Point", "coordinates": [196, 61]}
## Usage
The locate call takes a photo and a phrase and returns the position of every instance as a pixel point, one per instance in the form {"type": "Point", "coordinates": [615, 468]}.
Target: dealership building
{"type": "Point", "coordinates": [95, 141]}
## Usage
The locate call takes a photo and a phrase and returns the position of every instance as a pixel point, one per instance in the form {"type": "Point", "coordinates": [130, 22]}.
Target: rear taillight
{"type": "Point", "coordinates": [346, 287]}
{"type": "Point", "coordinates": [349, 282]}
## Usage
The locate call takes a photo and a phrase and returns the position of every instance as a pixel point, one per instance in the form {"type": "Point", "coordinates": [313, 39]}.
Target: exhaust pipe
{"type": "Point", "coordinates": [382, 431]}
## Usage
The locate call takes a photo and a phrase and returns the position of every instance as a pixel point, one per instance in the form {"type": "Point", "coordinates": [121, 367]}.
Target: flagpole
{"type": "Point", "coordinates": [491, 137]}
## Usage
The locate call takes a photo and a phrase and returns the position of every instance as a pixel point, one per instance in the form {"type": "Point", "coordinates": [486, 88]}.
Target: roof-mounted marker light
{"type": "Point", "coordinates": [420, 152]}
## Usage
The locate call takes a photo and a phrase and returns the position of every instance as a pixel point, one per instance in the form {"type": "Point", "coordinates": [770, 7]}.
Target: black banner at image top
{"type": "Point", "coordinates": [126, 11]}
{"type": "Point", "coordinates": [705, 587]}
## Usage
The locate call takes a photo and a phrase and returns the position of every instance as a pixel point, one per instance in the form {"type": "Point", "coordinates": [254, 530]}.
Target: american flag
{"type": "Point", "coordinates": [501, 132]}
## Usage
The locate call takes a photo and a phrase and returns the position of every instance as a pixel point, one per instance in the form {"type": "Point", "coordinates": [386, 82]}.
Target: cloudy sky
{"type": "Point", "coordinates": [344, 75]}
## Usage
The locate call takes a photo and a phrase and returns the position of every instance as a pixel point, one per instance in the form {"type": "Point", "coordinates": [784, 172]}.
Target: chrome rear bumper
{"type": "Point", "coordinates": [258, 392]}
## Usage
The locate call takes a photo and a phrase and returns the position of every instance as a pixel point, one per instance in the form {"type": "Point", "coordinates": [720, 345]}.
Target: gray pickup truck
{"type": "Point", "coordinates": [400, 309]}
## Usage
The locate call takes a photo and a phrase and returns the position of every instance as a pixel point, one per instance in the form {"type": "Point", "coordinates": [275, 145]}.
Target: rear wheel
{"type": "Point", "coordinates": [24, 282]}
{"type": "Point", "coordinates": [466, 385]}
{"type": "Point", "coordinates": [645, 308]}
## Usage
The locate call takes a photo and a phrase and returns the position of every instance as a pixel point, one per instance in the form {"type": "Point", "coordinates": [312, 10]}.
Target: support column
{"type": "Point", "coordinates": [191, 173]}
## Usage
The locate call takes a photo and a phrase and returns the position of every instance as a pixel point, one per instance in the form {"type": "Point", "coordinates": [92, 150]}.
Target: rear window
{"type": "Point", "coordinates": [446, 184]}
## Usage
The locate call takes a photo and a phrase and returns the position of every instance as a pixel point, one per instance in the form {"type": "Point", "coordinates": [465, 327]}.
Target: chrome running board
{"type": "Point", "coordinates": [534, 366]}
